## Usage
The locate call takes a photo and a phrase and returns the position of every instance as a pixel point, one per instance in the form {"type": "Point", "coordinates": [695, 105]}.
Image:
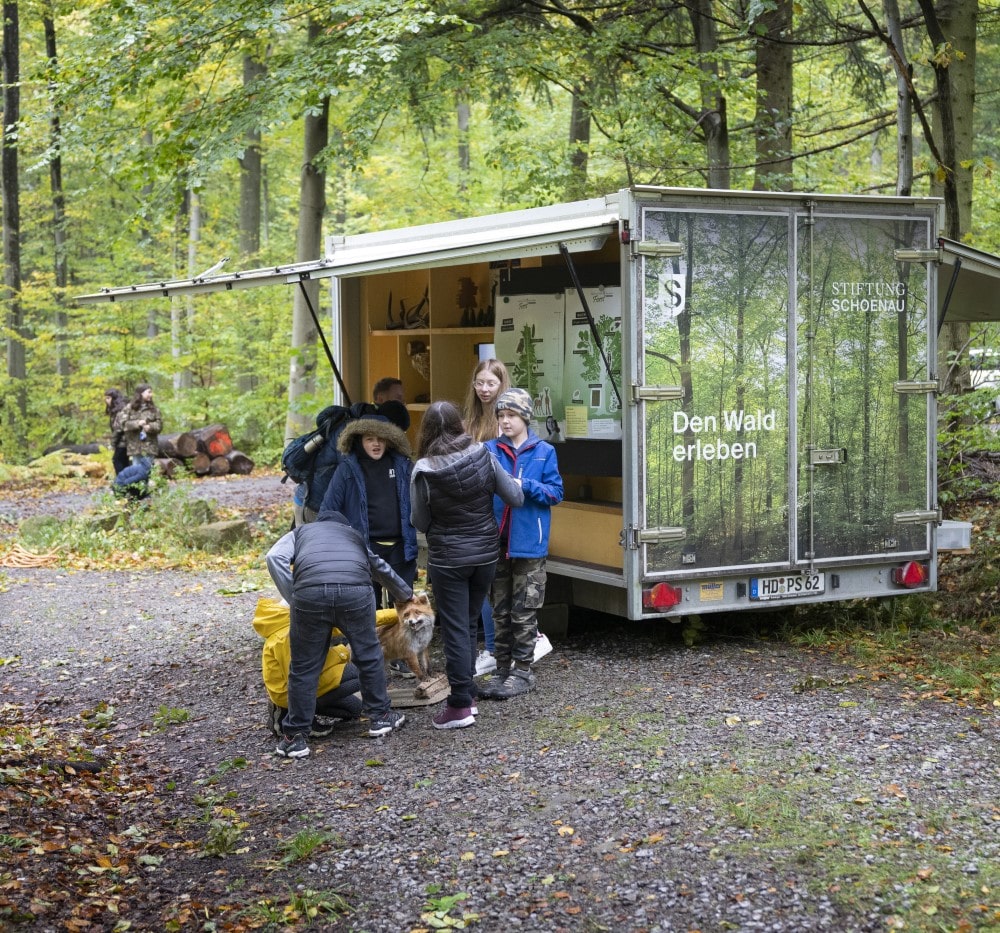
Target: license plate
{"type": "Point", "coordinates": [790, 584]}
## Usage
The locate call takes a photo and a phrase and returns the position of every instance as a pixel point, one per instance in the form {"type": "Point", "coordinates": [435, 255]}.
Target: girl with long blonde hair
{"type": "Point", "coordinates": [489, 379]}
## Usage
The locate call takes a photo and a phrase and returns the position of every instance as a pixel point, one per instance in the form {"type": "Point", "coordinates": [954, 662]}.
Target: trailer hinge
{"type": "Point", "coordinates": [820, 456]}
{"type": "Point", "coordinates": [917, 517]}
{"type": "Point", "coordinates": [916, 255]}
{"type": "Point", "coordinates": [925, 387]}
{"type": "Point", "coordinates": [665, 249]}
{"type": "Point", "coordinates": [656, 393]}
{"type": "Point", "coordinates": [661, 535]}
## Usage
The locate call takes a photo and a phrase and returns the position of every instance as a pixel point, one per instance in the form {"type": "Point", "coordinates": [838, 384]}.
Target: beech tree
{"type": "Point", "coordinates": [16, 402]}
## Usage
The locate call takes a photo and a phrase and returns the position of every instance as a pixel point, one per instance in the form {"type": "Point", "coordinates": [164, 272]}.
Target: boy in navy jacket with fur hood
{"type": "Point", "coordinates": [371, 489]}
{"type": "Point", "coordinates": [519, 584]}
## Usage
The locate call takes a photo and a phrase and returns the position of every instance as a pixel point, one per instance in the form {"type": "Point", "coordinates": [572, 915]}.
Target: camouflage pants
{"type": "Point", "coordinates": [518, 591]}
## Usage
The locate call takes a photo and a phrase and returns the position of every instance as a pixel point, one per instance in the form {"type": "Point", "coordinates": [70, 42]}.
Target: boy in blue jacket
{"type": "Point", "coordinates": [519, 584]}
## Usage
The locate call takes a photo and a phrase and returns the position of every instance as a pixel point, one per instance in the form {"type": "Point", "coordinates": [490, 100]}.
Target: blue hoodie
{"type": "Point", "coordinates": [534, 463]}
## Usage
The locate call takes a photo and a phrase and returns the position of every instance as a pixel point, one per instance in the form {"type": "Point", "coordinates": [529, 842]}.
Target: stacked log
{"type": "Point", "coordinates": [204, 451]}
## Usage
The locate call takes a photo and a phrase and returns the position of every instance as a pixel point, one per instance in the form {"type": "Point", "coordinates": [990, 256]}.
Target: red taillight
{"type": "Point", "coordinates": [910, 574]}
{"type": "Point", "coordinates": [661, 596]}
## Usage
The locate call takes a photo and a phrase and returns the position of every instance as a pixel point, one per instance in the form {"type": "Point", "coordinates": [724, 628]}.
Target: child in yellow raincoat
{"type": "Point", "coordinates": [337, 696]}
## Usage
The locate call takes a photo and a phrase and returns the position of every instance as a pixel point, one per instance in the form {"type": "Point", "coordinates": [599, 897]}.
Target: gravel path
{"type": "Point", "coordinates": [643, 786]}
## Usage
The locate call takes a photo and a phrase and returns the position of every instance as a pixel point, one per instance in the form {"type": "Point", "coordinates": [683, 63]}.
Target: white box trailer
{"type": "Point", "coordinates": [742, 385]}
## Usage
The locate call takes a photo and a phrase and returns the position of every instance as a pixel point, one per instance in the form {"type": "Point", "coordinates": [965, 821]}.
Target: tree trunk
{"type": "Point", "coordinates": [951, 27]}
{"type": "Point", "coordinates": [218, 466]}
{"type": "Point", "coordinates": [145, 238]}
{"type": "Point", "coordinates": [183, 376]}
{"type": "Point", "coordinates": [58, 204]}
{"type": "Point", "coordinates": [579, 145]}
{"type": "Point", "coordinates": [773, 122]}
{"type": "Point", "coordinates": [462, 125]}
{"type": "Point", "coordinates": [213, 440]}
{"type": "Point", "coordinates": [199, 464]}
{"type": "Point", "coordinates": [167, 466]}
{"type": "Point", "coordinates": [239, 463]}
{"type": "Point", "coordinates": [904, 109]}
{"type": "Point", "coordinates": [250, 170]}
{"type": "Point", "coordinates": [178, 446]}
{"type": "Point", "coordinates": [16, 405]}
{"type": "Point", "coordinates": [713, 120]}
{"type": "Point", "coordinates": [312, 204]}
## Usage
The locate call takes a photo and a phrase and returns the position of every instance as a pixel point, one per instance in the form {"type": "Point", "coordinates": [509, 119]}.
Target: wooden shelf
{"type": "Point", "coordinates": [452, 350]}
{"type": "Point", "coordinates": [433, 331]}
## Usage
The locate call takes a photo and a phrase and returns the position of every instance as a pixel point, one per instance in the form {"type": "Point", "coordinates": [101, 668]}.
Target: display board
{"type": "Point", "coordinates": [529, 340]}
{"type": "Point", "coordinates": [593, 405]}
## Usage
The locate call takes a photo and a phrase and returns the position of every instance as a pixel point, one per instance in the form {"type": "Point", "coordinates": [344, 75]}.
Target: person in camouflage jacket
{"type": "Point", "coordinates": [141, 422]}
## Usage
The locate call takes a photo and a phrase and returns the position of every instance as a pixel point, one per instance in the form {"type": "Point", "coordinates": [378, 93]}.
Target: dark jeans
{"type": "Point", "coordinates": [458, 598]}
{"type": "Point", "coordinates": [120, 460]}
{"type": "Point", "coordinates": [342, 701]}
{"type": "Point", "coordinates": [315, 611]}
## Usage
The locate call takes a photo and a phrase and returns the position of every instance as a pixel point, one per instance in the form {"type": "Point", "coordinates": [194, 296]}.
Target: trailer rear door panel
{"type": "Point", "coordinates": [862, 391]}
{"type": "Point", "coordinates": [715, 329]}
{"type": "Point", "coordinates": [783, 399]}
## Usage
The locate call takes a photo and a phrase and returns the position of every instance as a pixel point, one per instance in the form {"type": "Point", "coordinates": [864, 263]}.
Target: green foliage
{"type": "Point", "coordinates": [100, 717]}
{"type": "Point", "coordinates": [300, 909]}
{"type": "Point", "coordinates": [394, 75]}
{"type": "Point", "coordinates": [437, 913]}
{"type": "Point", "coordinates": [968, 425]}
{"type": "Point", "coordinates": [304, 843]}
{"type": "Point", "coordinates": [166, 716]}
{"type": "Point", "coordinates": [222, 838]}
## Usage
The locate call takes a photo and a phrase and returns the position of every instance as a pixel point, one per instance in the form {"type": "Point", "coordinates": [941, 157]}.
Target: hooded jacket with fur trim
{"type": "Point", "coordinates": [347, 493]}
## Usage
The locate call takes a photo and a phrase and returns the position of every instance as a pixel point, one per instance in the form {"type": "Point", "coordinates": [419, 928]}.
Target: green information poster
{"type": "Point", "coordinates": [593, 408]}
{"type": "Point", "coordinates": [529, 335]}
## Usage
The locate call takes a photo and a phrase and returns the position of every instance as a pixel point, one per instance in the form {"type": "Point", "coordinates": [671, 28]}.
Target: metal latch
{"type": "Point", "coordinates": [917, 517]}
{"type": "Point", "coordinates": [830, 455]}
{"type": "Point", "coordinates": [665, 249]}
{"type": "Point", "coordinates": [917, 255]}
{"type": "Point", "coordinates": [656, 393]}
{"type": "Point", "coordinates": [917, 387]}
{"type": "Point", "coordinates": [661, 535]}
{"type": "Point", "coordinates": [631, 537]}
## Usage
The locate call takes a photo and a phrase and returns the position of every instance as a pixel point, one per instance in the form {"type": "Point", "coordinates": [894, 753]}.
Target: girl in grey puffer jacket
{"type": "Point", "coordinates": [451, 501]}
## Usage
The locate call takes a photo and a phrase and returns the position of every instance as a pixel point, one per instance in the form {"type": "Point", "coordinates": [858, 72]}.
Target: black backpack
{"type": "Point", "coordinates": [312, 457]}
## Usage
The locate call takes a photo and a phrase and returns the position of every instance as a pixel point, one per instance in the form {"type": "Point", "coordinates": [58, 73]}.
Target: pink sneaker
{"type": "Point", "coordinates": [453, 717]}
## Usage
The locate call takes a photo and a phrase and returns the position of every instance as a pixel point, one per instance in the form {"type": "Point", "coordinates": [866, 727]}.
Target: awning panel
{"type": "Point", "coordinates": [581, 225]}
{"type": "Point", "coordinates": [973, 294]}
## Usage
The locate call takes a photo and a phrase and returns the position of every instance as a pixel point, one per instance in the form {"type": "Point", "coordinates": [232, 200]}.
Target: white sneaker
{"type": "Point", "coordinates": [542, 647]}
{"type": "Point", "coordinates": [486, 662]}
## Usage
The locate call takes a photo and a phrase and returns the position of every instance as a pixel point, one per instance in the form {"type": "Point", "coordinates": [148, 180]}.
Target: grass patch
{"type": "Point", "coordinates": [154, 533]}
{"type": "Point", "coordinates": [863, 845]}
{"type": "Point", "coordinates": [606, 725]}
{"type": "Point", "coordinates": [304, 843]}
{"type": "Point", "coordinates": [299, 909]}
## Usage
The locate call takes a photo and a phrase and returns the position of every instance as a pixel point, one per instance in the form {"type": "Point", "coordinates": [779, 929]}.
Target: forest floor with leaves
{"type": "Point", "coordinates": [823, 773]}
